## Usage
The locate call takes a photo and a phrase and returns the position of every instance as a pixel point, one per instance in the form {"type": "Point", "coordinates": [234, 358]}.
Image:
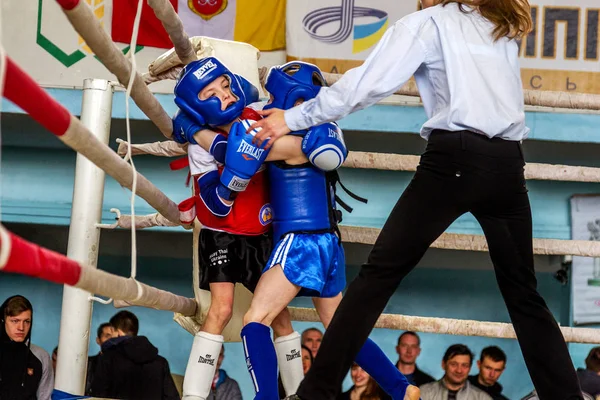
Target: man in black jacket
{"type": "Point", "coordinates": [408, 349]}
{"type": "Point", "coordinates": [104, 333]}
{"type": "Point", "coordinates": [491, 365]}
{"type": "Point", "coordinates": [130, 367]}
{"type": "Point", "coordinates": [25, 369]}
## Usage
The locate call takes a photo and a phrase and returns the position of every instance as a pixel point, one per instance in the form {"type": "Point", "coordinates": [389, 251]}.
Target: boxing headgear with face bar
{"type": "Point", "coordinates": [293, 81]}
{"type": "Point", "coordinates": [195, 77]}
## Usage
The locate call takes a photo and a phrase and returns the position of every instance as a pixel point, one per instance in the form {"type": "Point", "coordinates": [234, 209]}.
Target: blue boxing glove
{"type": "Point", "coordinates": [324, 146]}
{"type": "Point", "coordinates": [242, 158]}
{"type": "Point", "coordinates": [184, 128]}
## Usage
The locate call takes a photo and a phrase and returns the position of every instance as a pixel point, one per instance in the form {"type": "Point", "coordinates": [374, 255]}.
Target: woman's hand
{"type": "Point", "coordinates": [270, 128]}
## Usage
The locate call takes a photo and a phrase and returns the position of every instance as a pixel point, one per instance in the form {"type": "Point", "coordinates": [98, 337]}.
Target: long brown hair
{"type": "Point", "coordinates": [511, 17]}
{"type": "Point", "coordinates": [373, 391]}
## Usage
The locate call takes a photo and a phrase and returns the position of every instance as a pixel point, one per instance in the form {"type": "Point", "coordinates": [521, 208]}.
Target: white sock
{"type": "Point", "coordinates": [201, 366]}
{"type": "Point", "coordinates": [289, 357]}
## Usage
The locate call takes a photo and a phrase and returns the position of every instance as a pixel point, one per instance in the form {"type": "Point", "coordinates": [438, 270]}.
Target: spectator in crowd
{"type": "Point", "coordinates": [491, 365]}
{"type": "Point", "coordinates": [456, 363]}
{"type": "Point", "coordinates": [54, 358]}
{"type": "Point", "coordinates": [103, 333]}
{"type": "Point", "coordinates": [364, 388]}
{"type": "Point", "coordinates": [307, 359]}
{"type": "Point", "coordinates": [25, 369]}
{"type": "Point", "coordinates": [589, 378]}
{"type": "Point", "coordinates": [408, 349]}
{"type": "Point", "coordinates": [312, 338]}
{"type": "Point", "coordinates": [223, 387]}
{"type": "Point", "coordinates": [130, 367]}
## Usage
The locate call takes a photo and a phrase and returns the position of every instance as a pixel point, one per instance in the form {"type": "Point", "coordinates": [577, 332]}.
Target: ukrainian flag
{"type": "Point", "coordinates": [366, 35]}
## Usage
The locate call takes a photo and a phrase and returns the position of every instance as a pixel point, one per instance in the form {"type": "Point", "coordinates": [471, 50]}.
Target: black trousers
{"type": "Point", "coordinates": [459, 172]}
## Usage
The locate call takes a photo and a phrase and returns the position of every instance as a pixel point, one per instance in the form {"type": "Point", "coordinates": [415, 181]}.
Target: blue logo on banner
{"type": "Point", "coordinates": [365, 35]}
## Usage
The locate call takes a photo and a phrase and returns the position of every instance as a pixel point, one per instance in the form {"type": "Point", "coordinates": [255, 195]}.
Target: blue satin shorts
{"type": "Point", "coordinates": [313, 261]}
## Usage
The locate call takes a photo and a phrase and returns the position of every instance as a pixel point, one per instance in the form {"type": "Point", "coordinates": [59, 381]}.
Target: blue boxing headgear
{"type": "Point", "coordinates": [195, 77]}
{"type": "Point", "coordinates": [292, 81]}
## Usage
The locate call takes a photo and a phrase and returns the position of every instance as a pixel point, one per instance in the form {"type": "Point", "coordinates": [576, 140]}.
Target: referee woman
{"type": "Point", "coordinates": [464, 57]}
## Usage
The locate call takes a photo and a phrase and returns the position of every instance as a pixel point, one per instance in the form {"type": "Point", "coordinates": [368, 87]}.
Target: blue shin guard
{"type": "Point", "coordinates": [372, 359]}
{"type": "Point", "coordinates": [261, 360]}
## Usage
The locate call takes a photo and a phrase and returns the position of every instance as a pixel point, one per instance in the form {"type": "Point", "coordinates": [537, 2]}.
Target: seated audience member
{"type": "Point", "coordinates": [456, 363]}
{"type": "Point", "coordinates": [307, 359]}
{"type": "Point", "coordinates": [130, 367]}
{"type": "Point", "coordinates": [312, 338]}
{"type": "Point", "coordinates": [25, 369]}
{"type": "Point", "coordinates": [589, 378]}
{"type": "Point", "coordinates": [364, 388]}
{"type": "Point", "coordinates": [408, 349]}
{"type": "Point", "coordinates": [223, 387]}
{"type": "Point", "coordinates": [491, 365]}
{"type": "Point", "coordinates": [103, 333]}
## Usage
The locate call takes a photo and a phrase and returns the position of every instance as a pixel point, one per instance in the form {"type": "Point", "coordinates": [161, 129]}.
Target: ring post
{"type": "Point", "coordinates": [84, 239]}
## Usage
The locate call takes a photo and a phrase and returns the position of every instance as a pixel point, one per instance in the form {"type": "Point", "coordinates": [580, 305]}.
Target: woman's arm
{"type": "Point", "coordinates": [397, 56]}
{"type": "Point", "coordinates": [394, 60]}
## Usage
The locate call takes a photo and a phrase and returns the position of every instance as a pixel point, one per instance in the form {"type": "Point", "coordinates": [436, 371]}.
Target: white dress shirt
{"type": "Point", "coordinates": [467, 81]}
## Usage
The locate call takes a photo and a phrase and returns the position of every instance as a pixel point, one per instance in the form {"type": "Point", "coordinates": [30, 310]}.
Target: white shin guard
{"type": "Point", "coordinates": [201, 366]}
{"type": "Point", "coordinates": [289, 357]}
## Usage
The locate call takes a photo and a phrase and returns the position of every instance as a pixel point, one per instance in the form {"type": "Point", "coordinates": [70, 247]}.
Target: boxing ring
{"type": "Point", "coordinates": [89, 138]}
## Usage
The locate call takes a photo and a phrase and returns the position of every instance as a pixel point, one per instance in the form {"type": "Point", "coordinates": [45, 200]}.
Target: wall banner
{"type": "Point", "coordinates": [585, 274]}
{"type": "Point", "coordinates": [562, 53]}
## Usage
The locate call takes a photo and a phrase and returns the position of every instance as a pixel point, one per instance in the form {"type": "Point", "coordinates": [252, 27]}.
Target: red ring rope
{"type": "Point", "coordinates": [30, 259]}
{"type": "Point", "coordinates": [22, 90]}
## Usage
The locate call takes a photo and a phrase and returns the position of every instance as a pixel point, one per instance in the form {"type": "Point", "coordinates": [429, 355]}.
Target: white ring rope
{"type": "Point", "coordinates": [446, 241]}
{"type": "Point", "coordinates": [449, 326]}
{"type": "Point", "coordinates": [387, 161]}
{"type": "Point", "coordinates": [136, 28]}
{"type": "Point", "coordinates": [456, 241]}
{"type": "Point", "coordinates": [533, 171]}
{"type": "Point", "coordinates": [141, 221]}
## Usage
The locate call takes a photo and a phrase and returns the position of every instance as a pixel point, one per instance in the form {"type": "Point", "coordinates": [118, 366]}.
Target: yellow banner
{"type": "Point", "coordinates": [263, 26]}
